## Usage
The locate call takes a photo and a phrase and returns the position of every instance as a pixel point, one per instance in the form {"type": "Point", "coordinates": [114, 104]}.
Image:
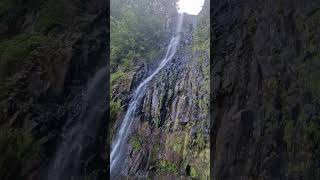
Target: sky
{"type": "Point", "coordinates": [190, 6]}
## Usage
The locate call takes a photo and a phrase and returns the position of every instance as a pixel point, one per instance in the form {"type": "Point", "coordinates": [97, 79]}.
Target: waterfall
{"type": "Point", "coordinates": [88, 111]}
{"type": "Point", "coordinates": [116, 156]}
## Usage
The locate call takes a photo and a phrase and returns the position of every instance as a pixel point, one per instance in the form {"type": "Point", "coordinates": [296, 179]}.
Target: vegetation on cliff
{"type": "Point", "coordinates": [171, 129]}
{"type": "Point", "coordinates": [137, 30]}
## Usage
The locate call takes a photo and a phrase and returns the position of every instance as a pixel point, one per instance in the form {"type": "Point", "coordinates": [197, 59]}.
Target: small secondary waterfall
{"type": "Point", "coordinates": [80, 131]}
{"type": "Point", "coordinates": [118, 145]}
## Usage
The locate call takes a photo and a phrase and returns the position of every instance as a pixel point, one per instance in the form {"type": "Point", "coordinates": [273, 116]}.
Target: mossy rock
{"type": "Point", "coordinates": [52, 13]}
{"type": "Point", "coordinates": [167, 167]}
{"type": "Point", "coordinates": [116, 76]}
{"type": "Point", "coordinates": [136, 143]}
{"type": "Point", "coordinates": [14, 52]}
{"type": "Point", "coordinates": [154, 152]}
{"type": "Point", "coordinates": [115, 109]}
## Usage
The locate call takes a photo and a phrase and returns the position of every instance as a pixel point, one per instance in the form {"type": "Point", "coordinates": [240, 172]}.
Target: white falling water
{"type": "Point", "coordinates": [119, 142]}
{"type": "Point", "coordinates": [66, 164]}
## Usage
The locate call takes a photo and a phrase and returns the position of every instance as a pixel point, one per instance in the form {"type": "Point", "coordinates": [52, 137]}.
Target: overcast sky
{"type": "Point", "coordinates": [190, 6]}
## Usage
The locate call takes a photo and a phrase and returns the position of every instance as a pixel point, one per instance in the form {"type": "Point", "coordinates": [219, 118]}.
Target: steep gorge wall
{"type": "Point", "coordinates": [170, 135]}
{"type": "Point", "coordinates": [48, 51]}
{"type": "Point", "coordinates": [265, 89]}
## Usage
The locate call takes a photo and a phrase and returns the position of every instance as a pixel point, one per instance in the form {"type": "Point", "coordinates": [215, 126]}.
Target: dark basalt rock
{"type": "Point", "coordinates": [169, 117]}
{"type": "Point", "coordinates": [264, 89]}
{"type": "Point", "coordinates": [50, 78]}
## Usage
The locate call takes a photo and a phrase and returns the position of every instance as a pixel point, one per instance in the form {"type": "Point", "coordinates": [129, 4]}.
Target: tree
{"type": "Point", "coordinates": [137, 27]}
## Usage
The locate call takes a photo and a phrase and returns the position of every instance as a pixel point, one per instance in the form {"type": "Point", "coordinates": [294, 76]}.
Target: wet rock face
{"type": "Point", "coordinates": [42, 91]}
{"type": "Point", "coordinates": [171, 126]}
{"type": "Point", "coordinates": [265, 97]}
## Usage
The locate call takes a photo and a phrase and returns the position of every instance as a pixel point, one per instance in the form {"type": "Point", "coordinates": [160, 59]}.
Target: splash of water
{"type": "Point", "coordinates": [118, 144]}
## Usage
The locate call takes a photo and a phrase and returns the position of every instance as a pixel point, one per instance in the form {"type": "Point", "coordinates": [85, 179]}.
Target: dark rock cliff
{"type": "Point", "coordinates": [170, 133]}
{"type": "Point", "coordinates": [265, 69]}
{"type": "Point", "coordinates": [48, 52]}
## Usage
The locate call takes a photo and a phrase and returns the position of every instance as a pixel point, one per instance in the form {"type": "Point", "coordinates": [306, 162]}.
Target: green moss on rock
{"type": "Point", "coordinates": [136, 143]}
{"type": "Point", "coordinates": [116, 76]}
{"type": "Point", "coordinates": [168, 167]}
{"type": "Point", "coordinates": [193, 172]}
{"type": "Point", "coordinates": [115, 109]}
{"type": "Point", "coordinates": [14, 51]}
{"type": "Point", "coordinates": [52, 13]}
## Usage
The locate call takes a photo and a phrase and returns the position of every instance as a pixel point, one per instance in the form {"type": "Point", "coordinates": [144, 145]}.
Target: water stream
{"type": "Point", "coordinates": [118, 146]}
{"type": "Point", "coordinates": [80, 130]}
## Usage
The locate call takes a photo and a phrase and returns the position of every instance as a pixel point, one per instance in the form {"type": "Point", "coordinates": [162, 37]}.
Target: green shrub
{"type": "Point", "coordinates": [136, 143]}
{"type": "Point", "coordinates": [115, 108]}
{"type": "Point", "coordinates": [168, 167]}
{"type": "Point", "coordinates": [193, 172]}
{"type": "Point", "coordinates": [127, 63]}
{"type": "Point", "coordinates": [130, 40]}
{"type": "Point", "coordinates": [288, 132]}
{"type": "Point", "coordinates": [20, 45]}
{"type": "Point", "coordinates": [116, 76]}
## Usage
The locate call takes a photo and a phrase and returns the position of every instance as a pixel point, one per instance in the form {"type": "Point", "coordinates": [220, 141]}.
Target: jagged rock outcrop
{"type": "Point", "coordinates": [265, 89]}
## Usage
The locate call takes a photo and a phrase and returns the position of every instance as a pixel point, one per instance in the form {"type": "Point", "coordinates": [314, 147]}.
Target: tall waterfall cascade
{"type": "Point", "coordinates": [118, 144]}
